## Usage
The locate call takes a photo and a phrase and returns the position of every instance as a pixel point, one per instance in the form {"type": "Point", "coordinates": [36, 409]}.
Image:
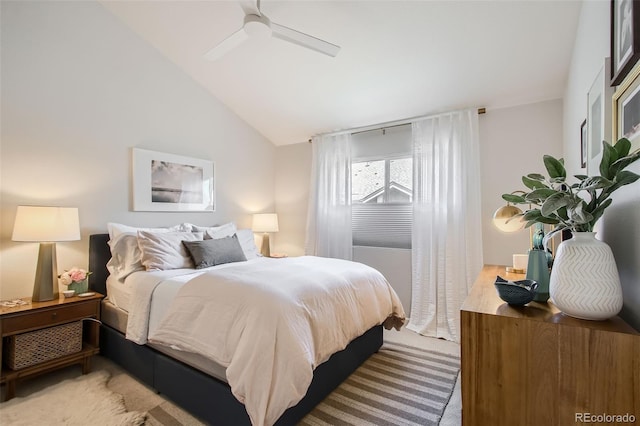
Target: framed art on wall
{"type": "Point", "coordinates": [583, 144]}
{"type": "Point", "coordinates": [626, 109]}
{"type": "Point", "coordinates": [625, 38]}
{"type": "Point", "coordinates": [168, 182]}
{"type": "Point", "coordinates": [598, 117]}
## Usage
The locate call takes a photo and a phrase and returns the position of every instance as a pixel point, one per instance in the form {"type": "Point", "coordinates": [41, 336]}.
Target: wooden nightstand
{"type": "Point", "coordinates": [40, 315]}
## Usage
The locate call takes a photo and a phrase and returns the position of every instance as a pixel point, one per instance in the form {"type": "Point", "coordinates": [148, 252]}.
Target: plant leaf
{"type": "Point", "coordinates": [535, 176]}
{"type": "Point", "coordinates": [549, 235]}
{"type": "Point", "coordinates": [532, 183]}
{"type": "Point", "coordinates": [540, 194]}
{"type": "Point", "coordinates": [554, 167]}
{"type": "Point", "coordinates": [623, 162]}
{"type": "Point", "coordinates": [555, 202]}
{"type": "Point", "coordinates": [532, 214]}
{"type": "Point", "coordinates": [562, 213]}
{"type": "Point", "coordinates": [623, 178]}
{"type": "Point", "coordinates": [626, 177]}
{"type": "Point", "coordinates": [578, 213]}
{"type": "Point", "coordinates": [609, 156]}
{"type": "Point", "coordinates": [622, 147]}
{"type": "Point", "coordinates": [596, 182]}
{"type": "Point", "coordinates": [580, 177]}
{"type": "Point", "coordinates": [512, 198]}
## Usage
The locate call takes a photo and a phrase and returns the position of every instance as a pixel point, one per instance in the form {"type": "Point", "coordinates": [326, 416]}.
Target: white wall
{"type": "Point", "coordinates": [79, 89]}
{"type": "Point", "coordinates": [513, 141]}
{"type": "Point", "coordinates": [293, 177]}
{"type": "Point", "coordinates": [620, 225]}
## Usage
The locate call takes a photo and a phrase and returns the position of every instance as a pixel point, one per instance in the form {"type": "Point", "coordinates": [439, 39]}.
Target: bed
{"type": "Point", "coordinates": [192, 381]}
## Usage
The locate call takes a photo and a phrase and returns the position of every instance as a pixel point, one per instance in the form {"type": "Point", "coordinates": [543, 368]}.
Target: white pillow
{"type": "Point", "coordinates": [164, 250]}
{"type": "Point", "coordinates": [116, 229]}
{"type": "Point", "coordinates": [125, 253]}
{"type": "Point", "coordinates": [215, 232]}
{"type": "Point", "coordinates": [247, 241]}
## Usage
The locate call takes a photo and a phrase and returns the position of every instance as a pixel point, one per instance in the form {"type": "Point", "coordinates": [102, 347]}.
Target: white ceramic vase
{"type": "Point", "coordinates": [584, 279]}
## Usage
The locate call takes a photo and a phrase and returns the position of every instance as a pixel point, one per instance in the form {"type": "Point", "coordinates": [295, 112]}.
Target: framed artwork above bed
{"type": "Point", "coordinates": [171, 183]}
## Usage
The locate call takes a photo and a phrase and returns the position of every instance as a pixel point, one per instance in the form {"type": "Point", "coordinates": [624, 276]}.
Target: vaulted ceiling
{"type": "Point", "coordinates": [398, 59]}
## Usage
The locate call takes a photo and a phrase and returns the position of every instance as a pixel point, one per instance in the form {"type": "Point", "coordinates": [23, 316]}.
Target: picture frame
{"type": "Point", "coordinates": [598, 117]}
{"type": "Point", "coordinates": [171, 183]}
{"type": "Point", "coordinates": [626, 109]}
{"type": "Point", "coordinates": [625, 38]}
{"type": "Point", "coordinates": [583, 144]}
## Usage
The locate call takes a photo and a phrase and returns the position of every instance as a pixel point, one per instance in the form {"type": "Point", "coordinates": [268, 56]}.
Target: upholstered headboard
{"type": "Point", "coordinates": [99, 255]}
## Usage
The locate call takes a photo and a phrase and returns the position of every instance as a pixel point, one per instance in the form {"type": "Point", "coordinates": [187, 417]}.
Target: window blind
{"type": "Point", "coordinates": [382, 225]}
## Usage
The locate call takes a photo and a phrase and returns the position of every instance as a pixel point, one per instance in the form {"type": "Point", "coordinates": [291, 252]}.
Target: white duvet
{"type": "Point", "coordinates": [272, 321]}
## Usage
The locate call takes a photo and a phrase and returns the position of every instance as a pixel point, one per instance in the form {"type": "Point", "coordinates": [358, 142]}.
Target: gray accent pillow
{"type": "Point", "coordinates": [207, 253]}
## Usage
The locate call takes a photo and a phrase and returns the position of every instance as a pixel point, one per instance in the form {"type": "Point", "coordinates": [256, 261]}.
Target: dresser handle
{"type": "Point", "coordinates": [53, 315]}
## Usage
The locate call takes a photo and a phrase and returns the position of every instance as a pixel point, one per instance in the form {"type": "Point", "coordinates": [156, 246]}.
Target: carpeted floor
{"type": "Point", "coordinates": [404, 361]}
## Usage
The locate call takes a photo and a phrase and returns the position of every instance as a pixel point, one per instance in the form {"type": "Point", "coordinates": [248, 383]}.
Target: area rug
{"type": "Point", "coordinates": [398, 385]}
{"type": "Point", "coordinates": [80, 401]}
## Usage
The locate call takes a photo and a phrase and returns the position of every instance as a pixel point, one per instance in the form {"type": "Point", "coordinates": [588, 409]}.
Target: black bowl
{"type": "Point", "coordinates": [516, 292]}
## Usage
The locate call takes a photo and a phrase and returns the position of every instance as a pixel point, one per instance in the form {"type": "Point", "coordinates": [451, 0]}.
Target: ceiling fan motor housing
{"type": "Point", "coordinates": [257, 26]}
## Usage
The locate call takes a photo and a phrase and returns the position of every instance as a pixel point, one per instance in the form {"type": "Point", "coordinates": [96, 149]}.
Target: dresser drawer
{"type": "Point", "coordinates": [47, 317]}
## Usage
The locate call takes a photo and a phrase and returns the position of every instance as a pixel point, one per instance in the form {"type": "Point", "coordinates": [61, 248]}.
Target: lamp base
{"type": "Point", "coordinates": [265, 250]}
{"type": "Point", "coordinates": [46, 283]}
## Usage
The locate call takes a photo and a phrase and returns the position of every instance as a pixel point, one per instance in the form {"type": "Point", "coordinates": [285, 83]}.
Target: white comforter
{"type": "Point", "coordinates": [271, 322]}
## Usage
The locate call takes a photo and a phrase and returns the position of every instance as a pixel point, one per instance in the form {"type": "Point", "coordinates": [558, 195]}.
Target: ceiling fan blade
{"type": "Point", "coordinates": [226, 45]}
{"type": "Point", "coordinates": [250, 7]}
{"type": "Point", "coordinates": [304, 40]}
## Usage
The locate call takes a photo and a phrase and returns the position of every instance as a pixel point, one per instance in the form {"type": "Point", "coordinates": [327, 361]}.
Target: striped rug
{"type": "Point", "coordinates": [399, 385]}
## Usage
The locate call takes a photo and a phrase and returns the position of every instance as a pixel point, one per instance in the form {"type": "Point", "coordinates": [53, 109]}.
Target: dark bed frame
{"type": "Point", "coordinates": [204, 396]}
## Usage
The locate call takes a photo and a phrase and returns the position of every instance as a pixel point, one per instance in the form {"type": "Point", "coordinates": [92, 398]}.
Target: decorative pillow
{"type": "Point", "coordinates": [215, 251]}
{"type": "Point", "coordinates": [226, 230]}
{"type": "Point", "coordinates": [125, 253]}
{"type": "Point", "coordinates": [162, 251]}
{"type": "Point", "coordinates": [247, 241]}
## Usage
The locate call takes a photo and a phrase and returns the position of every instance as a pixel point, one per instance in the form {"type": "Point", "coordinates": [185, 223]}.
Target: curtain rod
{"type": "Point", "coordinates": [388, 125]}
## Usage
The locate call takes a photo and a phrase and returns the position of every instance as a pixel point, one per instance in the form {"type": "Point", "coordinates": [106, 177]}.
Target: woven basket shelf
{"type": "Point", "coordinates": [27, 349]}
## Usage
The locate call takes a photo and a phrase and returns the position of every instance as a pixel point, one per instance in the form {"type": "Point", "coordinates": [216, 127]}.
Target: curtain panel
{"type": "Point", "coordinates": [329, 219]}
{"type": "Point", "coordinates": [447, 232]}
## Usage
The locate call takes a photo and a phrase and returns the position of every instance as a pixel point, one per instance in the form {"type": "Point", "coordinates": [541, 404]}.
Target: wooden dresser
{"type": "Point", "coordinates": [533, 365]}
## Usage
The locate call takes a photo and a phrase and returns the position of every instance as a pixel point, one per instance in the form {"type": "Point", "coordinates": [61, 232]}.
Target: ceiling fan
{"type": "Point", "coordinates": [256, 24]}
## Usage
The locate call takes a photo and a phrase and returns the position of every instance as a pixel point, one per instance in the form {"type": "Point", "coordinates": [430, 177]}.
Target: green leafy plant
{"type": "Point", "coordinates": [579, 205]}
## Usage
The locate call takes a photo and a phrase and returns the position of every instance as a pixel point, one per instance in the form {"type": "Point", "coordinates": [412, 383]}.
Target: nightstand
{"type": "Point", "coordinates": [35, 316]}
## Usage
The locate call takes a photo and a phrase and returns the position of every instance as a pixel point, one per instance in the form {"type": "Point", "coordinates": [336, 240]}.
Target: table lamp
{"type": "Point", "coordinates": [265, 223]}
{"type": "Point", "coordinates": [46, 225]}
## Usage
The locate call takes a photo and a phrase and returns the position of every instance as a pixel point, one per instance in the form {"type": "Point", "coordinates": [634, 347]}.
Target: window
{"type": "Point", "coordinates": [382, 189]}
{"type": "Point", "coordinates": [382, 181]}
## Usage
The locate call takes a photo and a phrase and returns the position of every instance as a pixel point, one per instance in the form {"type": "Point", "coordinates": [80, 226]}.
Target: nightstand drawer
{"type": "Point", "coordinates": [48, 317]}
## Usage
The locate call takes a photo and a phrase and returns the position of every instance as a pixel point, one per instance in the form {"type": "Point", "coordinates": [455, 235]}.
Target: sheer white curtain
{"type": "Point", "coordinates": [329, 218]}
{"type": "Point", "coordinates": [446, 237]}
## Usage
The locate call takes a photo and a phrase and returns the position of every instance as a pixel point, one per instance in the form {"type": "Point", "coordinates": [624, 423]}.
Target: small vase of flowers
{"type": "Point", "coordinates": [76, 279]}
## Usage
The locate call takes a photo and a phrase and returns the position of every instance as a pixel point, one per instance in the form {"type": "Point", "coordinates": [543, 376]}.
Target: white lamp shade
{"type": "Point", "coordinates": [46, 224]}
{"type": "Point", "coordinates": [265, 222]}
